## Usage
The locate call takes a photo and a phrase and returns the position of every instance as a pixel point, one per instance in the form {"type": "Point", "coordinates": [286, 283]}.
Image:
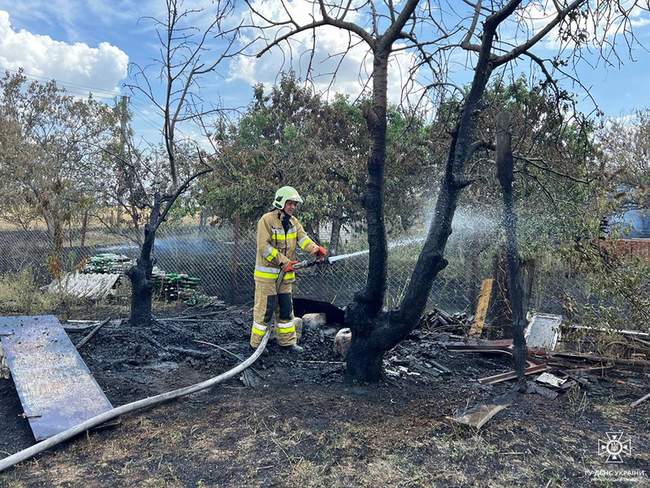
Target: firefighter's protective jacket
{"type": "Point", "coordinates": [276, 247]}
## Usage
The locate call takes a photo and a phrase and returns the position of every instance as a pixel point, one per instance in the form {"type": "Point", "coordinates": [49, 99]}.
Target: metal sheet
{"type": "Point", "coordinates": [543, 331]}
{"type": "Point", "coordinates": [55, 386]}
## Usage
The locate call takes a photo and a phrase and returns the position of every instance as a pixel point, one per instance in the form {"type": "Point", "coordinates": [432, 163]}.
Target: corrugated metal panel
{"type": "Point", "coordinates": [85, 285]}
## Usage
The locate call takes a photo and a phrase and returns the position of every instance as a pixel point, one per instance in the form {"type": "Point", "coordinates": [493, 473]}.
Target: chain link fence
{"type": "Point", "coordinates": [223, 258]}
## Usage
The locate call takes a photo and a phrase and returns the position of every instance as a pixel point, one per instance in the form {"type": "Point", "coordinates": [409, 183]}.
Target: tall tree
{"type": "Point", "coordinates": [188, 54]}
{"type": "Point", "coordinates": [294, 136]}
{"type": "Point", "coordinates": [48, 141]}
{"type": "Point", "coordinates": [485, 35]}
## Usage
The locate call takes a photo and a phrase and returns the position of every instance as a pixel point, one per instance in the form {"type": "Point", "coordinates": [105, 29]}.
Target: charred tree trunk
{"type": "Point", "coordinates": [140, 274]}
{"type": "Point", "coordinates": [504, 162]}
{"type": "Point", "coordinates": [372, 333]}
{"type": "Point", "coordinates": [373, 295]}
{"type": "Point", "coordinates": [364, 358]}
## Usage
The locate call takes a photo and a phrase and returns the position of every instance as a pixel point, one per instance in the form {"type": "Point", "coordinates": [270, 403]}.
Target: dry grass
{"type": "Point", "coordinates": [19, 294]}
{"type": "Point", "coordinates": [277, 438]}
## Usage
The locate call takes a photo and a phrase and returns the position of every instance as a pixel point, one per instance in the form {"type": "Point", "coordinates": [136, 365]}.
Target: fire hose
{"type": "Point", "coordinates": [131, 407]}
{"type": "Point", "coordinates": [27, 453]}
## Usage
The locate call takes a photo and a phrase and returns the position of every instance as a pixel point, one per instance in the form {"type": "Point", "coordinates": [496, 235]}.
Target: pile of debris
{"type": "Point", "coordinates": [104, 275]}
{"type": "Point", "coordinates": [108, 263]}
{"type": "Point", "coordinates": [174, 286]}
{"type": "Point", "coordinates": [167, 286]}
{"type": "Point", "coordinates": [553, 366]}
{"type": "Point", "coordinates": [438, 319]}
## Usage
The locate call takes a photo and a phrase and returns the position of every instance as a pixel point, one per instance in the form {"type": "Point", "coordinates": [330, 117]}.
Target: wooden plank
{"type": "Point", "coordinates": [511, 375]}
{"type": "Point", "coordinates": [55, 386]}
{"type": "Point", "coordinates": [482, 307]}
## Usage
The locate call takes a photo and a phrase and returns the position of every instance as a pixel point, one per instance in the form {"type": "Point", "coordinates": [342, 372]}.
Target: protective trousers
{"type": "Point", "coordinates": [270, 301]}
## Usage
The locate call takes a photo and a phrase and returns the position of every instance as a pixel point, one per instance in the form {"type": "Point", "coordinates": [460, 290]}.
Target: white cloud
{"type": "Point", "coordinates": [41, 56]}
{"type": "Point", "coordinates": [351, 72]}
{"type": "Point", "coordinates": [602, 25]}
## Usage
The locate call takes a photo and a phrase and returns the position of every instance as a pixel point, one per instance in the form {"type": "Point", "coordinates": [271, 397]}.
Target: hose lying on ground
{"type": "Point", "coordinates": [130, 407]}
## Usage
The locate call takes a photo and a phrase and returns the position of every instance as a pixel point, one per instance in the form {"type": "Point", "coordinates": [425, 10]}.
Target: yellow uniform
{"type": "Point", "coordinates": [276, 246]}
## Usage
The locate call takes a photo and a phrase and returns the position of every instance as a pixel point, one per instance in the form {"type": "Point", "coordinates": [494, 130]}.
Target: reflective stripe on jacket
{"type": "Point", "coordinates": [275, 247]}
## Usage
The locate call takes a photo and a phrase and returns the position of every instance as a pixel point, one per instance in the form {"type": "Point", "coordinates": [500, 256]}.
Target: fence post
{"type": "Point", "coordinates": [234, 257]}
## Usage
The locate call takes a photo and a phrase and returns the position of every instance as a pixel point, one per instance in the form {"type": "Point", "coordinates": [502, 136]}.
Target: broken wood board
{"type": "Point", "coordinates": [55, 386]}
{"type": "Point", "coordinates": [512, 375]}
{"type": "Point", "coordinates": [543, 331]}
{"type": "Point", "coordinates": [482, 308]}
{"type": "Point", "coordinates": [477, 416]}
{"type": "Point", "coordinates": [85, 285]}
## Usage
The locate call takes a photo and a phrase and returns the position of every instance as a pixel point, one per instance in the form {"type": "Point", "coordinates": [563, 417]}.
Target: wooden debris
{"type": "Point", "coordinates": [640, 400]}
{"type": "Point", "coordinates": [482, 308]}
{"type": "Point", "coordinates": [511, 375]}
{"type": "Point", "coordinates": [92, 333]}
{"type": "Point", "coordinates": [440, 367]}
{"type": "Point", "coordinates": [479, 415]}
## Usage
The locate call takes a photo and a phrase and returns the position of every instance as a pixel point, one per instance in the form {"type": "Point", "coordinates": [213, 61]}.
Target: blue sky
{"type": "Point", "coordinates": [87, 44]}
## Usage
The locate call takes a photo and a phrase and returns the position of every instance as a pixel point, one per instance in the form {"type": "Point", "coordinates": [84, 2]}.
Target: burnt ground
{"type": "Point", "coordinates": [300, 425]}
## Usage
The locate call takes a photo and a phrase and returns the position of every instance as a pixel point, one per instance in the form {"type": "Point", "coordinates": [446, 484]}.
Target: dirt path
{"type": "Point", "coordinates": [302, 427]}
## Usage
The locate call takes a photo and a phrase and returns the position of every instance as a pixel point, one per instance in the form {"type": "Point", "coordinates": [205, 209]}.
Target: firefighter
{"type": "Point", "coordinates": [279, 233]}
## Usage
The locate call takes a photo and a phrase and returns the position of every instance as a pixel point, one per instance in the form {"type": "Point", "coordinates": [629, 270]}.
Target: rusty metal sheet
{"type": "Point", "coordinates": [511, 375]}
{"type": "Point", "coordinates": [55, 386]}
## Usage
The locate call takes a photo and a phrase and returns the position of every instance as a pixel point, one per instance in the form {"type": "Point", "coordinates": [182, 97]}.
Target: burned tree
{"type": "Point", "coordinates": [424, 29]}
{"type": "Point", "coordinates": [505, 163]}
{"type": "Point", "coordinates": [155, 183]}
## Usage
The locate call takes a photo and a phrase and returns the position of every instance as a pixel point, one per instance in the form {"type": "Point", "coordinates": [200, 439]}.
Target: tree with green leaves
{"type": "Point", "coordinates": [292, 135]}
{"type": "Point", "coordinates": [49, 142]}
